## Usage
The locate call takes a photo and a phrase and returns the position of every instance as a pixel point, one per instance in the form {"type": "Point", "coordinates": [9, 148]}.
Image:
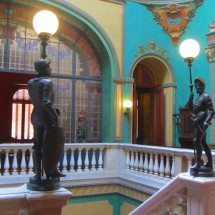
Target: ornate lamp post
{"type": "Point", "coordinates": [189, 50]}
{"type": "Point", "coordinates": [45, 23]}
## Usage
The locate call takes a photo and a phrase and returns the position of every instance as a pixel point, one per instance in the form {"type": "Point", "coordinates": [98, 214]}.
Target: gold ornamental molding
{"type": "Point", "coordinates": [172, 15]}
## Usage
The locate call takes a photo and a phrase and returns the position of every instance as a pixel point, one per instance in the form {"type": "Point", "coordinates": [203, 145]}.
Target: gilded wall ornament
{"type": "Point", "coordinates": [172, 15]}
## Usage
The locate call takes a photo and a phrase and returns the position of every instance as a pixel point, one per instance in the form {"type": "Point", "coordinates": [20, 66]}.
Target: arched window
{"type": "Point", "coordinates": [21, 130]}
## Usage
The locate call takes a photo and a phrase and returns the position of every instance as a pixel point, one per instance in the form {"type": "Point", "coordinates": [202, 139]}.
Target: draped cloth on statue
{"type": "Point", "coordinates": [53, 149]}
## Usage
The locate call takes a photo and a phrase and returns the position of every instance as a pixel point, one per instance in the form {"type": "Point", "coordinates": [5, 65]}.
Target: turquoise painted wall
{"type": "Point", "coordinates": [141, 28]}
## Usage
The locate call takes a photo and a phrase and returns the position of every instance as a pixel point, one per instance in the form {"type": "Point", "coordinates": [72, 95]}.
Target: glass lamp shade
{"type": "Point", "coordinates": [45, 22]}
{"type": "Point", "coordinates": [127, 104]}
{"type": "Point", "coordinates": [189, 48]}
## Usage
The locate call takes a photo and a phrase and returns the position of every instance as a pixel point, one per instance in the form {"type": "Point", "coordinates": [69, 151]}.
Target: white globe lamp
{"type": "Point", "coordinates": [189, 50]}
{"type": "Point", "coordinates": [45, 23]}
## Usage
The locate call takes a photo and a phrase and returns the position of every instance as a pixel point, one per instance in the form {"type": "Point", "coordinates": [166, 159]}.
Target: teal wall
{"type": "Point", "coordinates": [141, 28]}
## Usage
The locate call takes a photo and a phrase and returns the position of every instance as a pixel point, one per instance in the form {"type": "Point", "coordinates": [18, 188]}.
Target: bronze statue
{"type": "Point", "coordinates": [48, 135]}
{"type": "Point", "coordinates": [202, 113]}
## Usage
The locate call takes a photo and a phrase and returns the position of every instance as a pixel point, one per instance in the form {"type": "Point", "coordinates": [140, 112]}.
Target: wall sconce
{"type": "Point", "coordinates": [189, 50]}
{"type": "Point", "coordinates": [127, 105]}
{"type": "Point", "coordinates": [45, 23]}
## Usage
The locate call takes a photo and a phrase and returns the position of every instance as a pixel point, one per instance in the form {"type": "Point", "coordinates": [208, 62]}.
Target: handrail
{"type": "Point", "coordinates": [96, 163]}
{"type": "Point", "coordinates": [162, 161]}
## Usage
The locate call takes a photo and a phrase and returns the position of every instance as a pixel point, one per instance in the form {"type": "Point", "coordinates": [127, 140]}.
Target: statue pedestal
{"type": "Point", "coordinates": [44, 184]}
{"type": "Point", "coordinates": [20, 200]}
{"type": "Point", "coordinates": [203, 172]}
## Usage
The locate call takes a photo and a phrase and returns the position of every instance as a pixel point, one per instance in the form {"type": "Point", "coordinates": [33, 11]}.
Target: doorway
{"type": "Point", "coordinates": [143, 110]}
{"type": "Point", "coordinates": [12, 112]}
{"type": "Point", "coordinates": [148, 108]}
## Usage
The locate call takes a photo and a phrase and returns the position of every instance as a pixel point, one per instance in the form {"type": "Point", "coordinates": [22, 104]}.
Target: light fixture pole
{"type": "Point", "coordinates": [45, 23]}
{"type": "Point", "coordinates": [189, 50]}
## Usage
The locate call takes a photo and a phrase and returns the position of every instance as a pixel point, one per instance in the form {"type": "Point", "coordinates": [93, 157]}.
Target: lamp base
{"type": "Point", "coordinates": [44, 38]}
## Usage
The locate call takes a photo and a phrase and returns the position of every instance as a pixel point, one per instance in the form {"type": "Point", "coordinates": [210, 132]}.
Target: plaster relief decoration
{"type": "Point", "coordinates": [151, 49]}
{"type": "Point", "coordinates": [172, 15]}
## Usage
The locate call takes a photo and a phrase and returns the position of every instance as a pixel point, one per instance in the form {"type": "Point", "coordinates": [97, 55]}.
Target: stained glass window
{"type": "Point", "coordinates": [75, 67]}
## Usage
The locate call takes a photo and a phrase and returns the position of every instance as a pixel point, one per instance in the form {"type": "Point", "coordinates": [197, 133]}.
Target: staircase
{"type": "Point", "coordinates": [193, 196]}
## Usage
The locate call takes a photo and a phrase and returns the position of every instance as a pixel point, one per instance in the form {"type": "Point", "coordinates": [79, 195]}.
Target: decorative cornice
{"type": "Point", "coordinates": [212, 26]}
{"type": "Point", "coordinates": [167, 85]}
{"type": "Point", "coordinates": [115, 1]}
{"type": "Point", "coordinates": [123, 79]}
{"type": "Point", "coordinates": [210, 49]}
{"type": "Point", "coordinates": [164, 2]}
{"type": "Point", "coordinates": [210, 53]}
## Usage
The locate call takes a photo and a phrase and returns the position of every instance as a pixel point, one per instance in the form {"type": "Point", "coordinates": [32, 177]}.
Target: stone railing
{"type": "Point", "coordinates": [112, 159]}
{"type": "Point", "coordinates": [18, 158]}
{"type": "Point", "coordinates": [126, 164]}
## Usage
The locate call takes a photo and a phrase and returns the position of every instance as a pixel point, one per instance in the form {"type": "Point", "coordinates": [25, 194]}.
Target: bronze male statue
{"type": "Point", "coordinates": [48, 135]}
{"type": "Point", "coordinates": [202, 113]}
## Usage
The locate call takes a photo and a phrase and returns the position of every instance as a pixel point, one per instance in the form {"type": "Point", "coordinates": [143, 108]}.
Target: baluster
{"type": "Point", "coordinates": [146, 163]}
{"type": "Point", "coordinates": [167, 168]}
{"type": "Point", "coordinates": [22, 164]}
{"type": "Point", "coordinates": [127, 159]}
{"type": "Point", "coordinates": [173, 167]}
{"type": "Point", "coordinates": [189, 163]}
{"type": "Point", "coordinates": [1, 169]}
{"type": "Point", "coordinates": [184, 203]}
{"type": "Point", "coordinates": [87, 167]}
{"type": "Point", "coordinates": [171, 208]}
{"type": "Point", "coordinates": [162, 209]}
{"type": "Point", "coordinates": [64, 163]}
{"type": "Point", "coordinates": [100, 160]}
{"type": "Point", "coordinates": [141, 162]}
{"type": "Point", "coordinates": [171, 203]}
{"type": "Point", "coordinates": [72, 162]}
{"type": "Point", "coordinates": [79, 163]}
{"type": "Point", "coordinates": [161, 169]}
{"type": "Point", "coordinates": [151, 163]}
{"type": "Point", "coordinates": [132, 161]}
{"type": "Point", "coordinates": [6, 163]}
{"type": "Point", "coordinates": [15, 163]}
{"type": "Point", "coordinates": [30, 163]}
{"type": "Point", "coordinates": [93, 161]}
{"type": "Point", "coordinates": [156, 164]}
{"type": "Point", "coordinates": [136, 161]}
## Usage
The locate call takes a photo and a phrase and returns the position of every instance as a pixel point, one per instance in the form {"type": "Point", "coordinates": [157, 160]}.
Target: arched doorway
{"type": "Point", "coordinates": [152, 103]}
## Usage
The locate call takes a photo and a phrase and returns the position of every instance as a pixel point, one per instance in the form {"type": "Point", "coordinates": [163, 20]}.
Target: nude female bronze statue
{"type": "Point", "coordinates": [202, 113]}
{"type": "Point", "coordinates": [48, 135]}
